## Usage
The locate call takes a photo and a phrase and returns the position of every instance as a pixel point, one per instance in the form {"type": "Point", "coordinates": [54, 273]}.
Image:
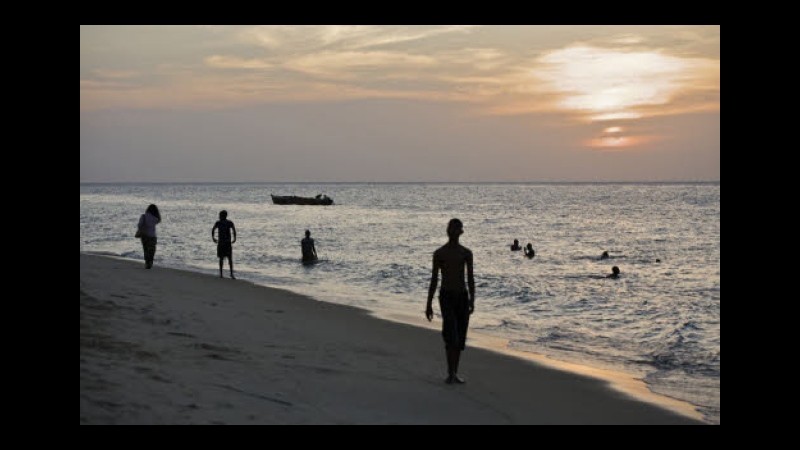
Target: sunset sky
{"type": "Point", "coordinates": [400, 103]}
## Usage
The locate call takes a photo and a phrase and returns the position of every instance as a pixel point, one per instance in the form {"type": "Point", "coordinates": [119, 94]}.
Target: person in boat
{"type": "Point", "coordinates": [515, 247]}
{"type": "Point", "coordinates": [308, 249]}
{"type": "Point", "coordinates": [529, 251]}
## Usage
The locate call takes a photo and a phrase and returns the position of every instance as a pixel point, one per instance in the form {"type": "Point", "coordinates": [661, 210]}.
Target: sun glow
{"type": "Point", "coordinates": [607, 84]}
{"type": "Point", "coordinates": [617, 142]}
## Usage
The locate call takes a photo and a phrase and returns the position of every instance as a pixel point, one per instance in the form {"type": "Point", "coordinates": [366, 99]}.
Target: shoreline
{"type": "Point", "coordinates": [578, 394]}
{"type": "Point", "coordinates": [623, 382]}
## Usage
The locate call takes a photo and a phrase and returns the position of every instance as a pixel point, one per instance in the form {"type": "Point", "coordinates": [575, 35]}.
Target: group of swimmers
{"type": "Point", "coordinates": [515, 247]}
{"type": "Point", "coordinates": [528, 249]}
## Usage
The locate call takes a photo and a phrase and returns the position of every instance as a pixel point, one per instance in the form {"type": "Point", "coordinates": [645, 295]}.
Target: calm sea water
{"type": "Point", "coordinates": [659, 321]}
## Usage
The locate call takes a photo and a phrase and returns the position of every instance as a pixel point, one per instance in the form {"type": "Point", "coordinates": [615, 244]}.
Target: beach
{"type": "Point", "coordinates": [167, 346]}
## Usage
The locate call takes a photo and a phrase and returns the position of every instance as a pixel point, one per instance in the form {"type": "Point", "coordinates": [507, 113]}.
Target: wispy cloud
{"type": "Point", "coordinates": [105, 85]}
{"type": "Point", "coordinates": [99, 80]}
{"type": "Point", "coordinates": [114, 74]}
{"type": "Point", "coordinates": [380, 36]}
{"type": "Point", "coordinates": [626, 39]}
{"type": "Point", "coordinates": [342, 64]}
{"type": "Point", "coordinates": [482, 59]}
{"type": "Point", "coordinates": [232, 62]}
{"type": "Point", "coordinates": [342, 37]}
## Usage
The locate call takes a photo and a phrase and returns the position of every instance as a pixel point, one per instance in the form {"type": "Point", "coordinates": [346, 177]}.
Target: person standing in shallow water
{"type": "Point", "coordinates": [224, 244]}
{"type": "Point", "coordinates": [147, 233]}
{"type": "Point", "coordinates": [307, 248]}
{"type": "Point", "coordinates": [455, 302]}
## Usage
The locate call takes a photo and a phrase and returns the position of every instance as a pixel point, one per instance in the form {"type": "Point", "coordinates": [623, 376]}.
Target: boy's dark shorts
{"type": "Point", "coordinates": [455, 318]}
{"type": "Point", "coordinates": [224, 249]}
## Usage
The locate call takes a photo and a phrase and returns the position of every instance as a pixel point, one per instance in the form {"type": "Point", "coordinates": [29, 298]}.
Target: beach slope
{"type": "Point", "coordinates": [165, 346]}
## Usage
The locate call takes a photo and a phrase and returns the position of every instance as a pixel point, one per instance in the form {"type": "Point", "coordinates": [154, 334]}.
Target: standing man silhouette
{"type": "Point", "coordinates": [455, 302]}
{"type": "Point", "coordinates": [224, 247]}
{"type": "Point", "coordinates": [308, 249]}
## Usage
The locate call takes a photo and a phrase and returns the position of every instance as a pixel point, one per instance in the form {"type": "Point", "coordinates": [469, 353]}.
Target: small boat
{"type": "Point", "coordinates": [295, 200]}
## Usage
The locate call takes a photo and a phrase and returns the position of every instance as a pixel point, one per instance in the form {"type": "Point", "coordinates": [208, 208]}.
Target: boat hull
{"type": "Point", "coordinates": [295, 200]}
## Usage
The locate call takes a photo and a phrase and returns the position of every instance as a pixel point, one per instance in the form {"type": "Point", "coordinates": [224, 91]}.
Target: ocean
{"type": "Point", "coordinates": [660, 321]}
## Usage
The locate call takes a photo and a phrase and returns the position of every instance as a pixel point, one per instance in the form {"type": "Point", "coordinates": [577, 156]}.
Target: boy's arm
{"type": "Point", "coordinates": [432, 289]}
{"type": "Point", "coordinates": [470, 283]}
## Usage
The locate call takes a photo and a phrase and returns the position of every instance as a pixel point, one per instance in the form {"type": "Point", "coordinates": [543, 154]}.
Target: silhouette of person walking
{"type": "Point", "coordinates": [146, 231]}
{"type": "Point", "coordinates": [308, 249]}
{"type": "Point", "coordinates": [224, 243]}
{"type": "Point", "coordinates": [529, 251]}
{"type": "Point", "coordinates": [455, 303]}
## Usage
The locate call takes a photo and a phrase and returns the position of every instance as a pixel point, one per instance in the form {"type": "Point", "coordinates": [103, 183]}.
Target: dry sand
{"type": "Point", "coordinates": [165, 346]}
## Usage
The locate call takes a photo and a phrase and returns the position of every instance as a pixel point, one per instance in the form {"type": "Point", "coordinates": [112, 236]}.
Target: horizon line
{"type": "Point", "coordinates": [414, 182]}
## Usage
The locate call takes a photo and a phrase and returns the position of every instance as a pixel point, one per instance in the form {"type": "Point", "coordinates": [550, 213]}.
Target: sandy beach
{"type": "Point", "coordinates": [165, 346]}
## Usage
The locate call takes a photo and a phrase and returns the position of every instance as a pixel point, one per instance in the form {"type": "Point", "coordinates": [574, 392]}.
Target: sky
{"type": "Point", "coordinates": [399, 103]}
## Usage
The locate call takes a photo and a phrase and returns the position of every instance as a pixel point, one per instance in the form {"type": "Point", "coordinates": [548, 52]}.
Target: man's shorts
{"type": "Point", "coordinates": [455, 318]}
{"type": "Point", "coordinates": [224, 250]}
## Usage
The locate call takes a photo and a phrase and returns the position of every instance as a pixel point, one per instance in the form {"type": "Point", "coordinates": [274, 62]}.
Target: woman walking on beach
{"type": "Point", "coordinates": [147, 233]}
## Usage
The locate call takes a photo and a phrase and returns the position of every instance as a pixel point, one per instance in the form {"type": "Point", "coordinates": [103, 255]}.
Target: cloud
{"type": "Point", "coordinates": [620, 138]}
{"type": "Point", "coordinates": [382, 36]}
{"type": "Point", "coordinates": [482, 59]}
{"type": "Point", "coordinates": [626, 39]}
{"type": "Point", "coordinates": [606, 84]}
{"type": "Point", "coordinates": [114, 74]}
{"type": "Point", "coordinates": [110, 80]}
{"type": "Point", "coordinates": [342, 37]}
{"type": "Point", "coordinates": [614, 77]}
{"type": "Point", "coordinates": [233, 62]}
{"type": "Point", "coordinates": [618, 143]}
{"type": "Point", "coordinates": [342, 64]}
{"type": "Point", "coordinates": [102, 85]}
